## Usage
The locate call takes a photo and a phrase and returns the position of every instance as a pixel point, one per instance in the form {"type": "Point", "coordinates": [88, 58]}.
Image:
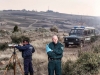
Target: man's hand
{"type": "Point", "coordinates": [20, 44]}
{"type": "Point", "coordinates": [48, 49]}
{"type": "Point", "coordinates": [13, 46]}
{"type": "Point", "coordinates": [52, 50]}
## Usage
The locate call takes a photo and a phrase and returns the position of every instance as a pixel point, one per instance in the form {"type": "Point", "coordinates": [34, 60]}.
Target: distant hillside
{"type": "Point", "coordinates": [32, 19]}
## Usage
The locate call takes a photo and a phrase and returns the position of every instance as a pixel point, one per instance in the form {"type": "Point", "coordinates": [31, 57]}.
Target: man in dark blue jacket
{"type": "Point", "coordinates": [27, 51]}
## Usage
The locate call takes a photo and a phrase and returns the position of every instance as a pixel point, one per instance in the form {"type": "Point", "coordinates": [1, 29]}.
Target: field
{"type": "Point", "coordinates": [40, 59]}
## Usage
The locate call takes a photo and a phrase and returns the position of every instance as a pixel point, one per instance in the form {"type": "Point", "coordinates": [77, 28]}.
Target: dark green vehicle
{"type": "Point", "coordinates": [79, 36]}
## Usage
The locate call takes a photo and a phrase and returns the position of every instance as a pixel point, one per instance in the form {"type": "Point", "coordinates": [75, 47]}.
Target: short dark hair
{"type": "Point", "coordinates": [26, 40]}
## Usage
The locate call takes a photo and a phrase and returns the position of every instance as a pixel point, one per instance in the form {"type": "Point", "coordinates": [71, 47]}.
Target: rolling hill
{"type": "Point", "coordinates": [33, 19]}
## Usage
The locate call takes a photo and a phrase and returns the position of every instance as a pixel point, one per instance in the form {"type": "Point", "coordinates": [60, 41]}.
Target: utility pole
{"type": "Point", "coordinates": [48, 8]}
{"type": "Point", "coordinates": [81, 21]}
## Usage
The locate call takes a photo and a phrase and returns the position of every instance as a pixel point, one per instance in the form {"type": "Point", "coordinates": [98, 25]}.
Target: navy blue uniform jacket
{"type": "Point", "coordinates": [26, 50]}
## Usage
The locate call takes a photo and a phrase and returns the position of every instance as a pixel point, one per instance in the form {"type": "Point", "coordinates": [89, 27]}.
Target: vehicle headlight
{"type": "Point", "coordinates": [76, 39]}
{"type": "Point", "coordinates": [66, 39]}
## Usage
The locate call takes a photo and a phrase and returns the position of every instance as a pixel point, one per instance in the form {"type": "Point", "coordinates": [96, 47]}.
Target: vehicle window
{"type": "Point", "coordinates": [92, 31]}
{"type": "Point", "coordinates": [77, 31]}
{"type": "Point", "coordinates": [85, 32]}
{"type": "Point", "coordinates": [89, 32]}
{"type": "Point", "coordinates": [72, 31]}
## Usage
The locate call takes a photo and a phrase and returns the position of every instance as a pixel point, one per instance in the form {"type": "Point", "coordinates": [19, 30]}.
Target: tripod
{"type": "Point", "coordinates": [15, 61]}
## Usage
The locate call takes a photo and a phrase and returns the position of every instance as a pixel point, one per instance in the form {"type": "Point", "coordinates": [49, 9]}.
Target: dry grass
{"type": "Point", "coordinates": [40, 58]}
{"type": "Point", "coordinates": [40, 63]}
{"type": "Point", "coordinates": [40, 43]}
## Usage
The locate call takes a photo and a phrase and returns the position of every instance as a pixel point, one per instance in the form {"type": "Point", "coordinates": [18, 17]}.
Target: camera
{"type": "Point", "coordinates": [12, 45]}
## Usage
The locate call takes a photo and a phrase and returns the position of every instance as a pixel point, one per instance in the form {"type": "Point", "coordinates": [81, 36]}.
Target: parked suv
{"type": "Point", "coordinates": [79, 35]}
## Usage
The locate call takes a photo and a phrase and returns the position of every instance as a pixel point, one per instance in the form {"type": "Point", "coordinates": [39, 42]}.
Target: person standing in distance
{"type": "Point", "coordinates": [55, 53]}
{"type": "Point", "coordinates": [27, 51]}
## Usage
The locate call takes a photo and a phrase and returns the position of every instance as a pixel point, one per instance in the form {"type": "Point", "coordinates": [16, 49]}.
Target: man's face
{"type": "Point", "coordinates": [24, 43]}
{"type": "Point", "coordinates": [55, 39]}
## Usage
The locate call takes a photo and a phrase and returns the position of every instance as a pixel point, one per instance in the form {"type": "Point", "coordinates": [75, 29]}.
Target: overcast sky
{"type": "Point", "coordinates": [81, 7]}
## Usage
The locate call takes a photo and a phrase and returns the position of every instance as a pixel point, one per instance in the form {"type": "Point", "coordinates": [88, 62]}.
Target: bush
{"type": "Point", "coordinates": [15, 39]}
{"type": "Point", "coordinates": [3, 46]}
{"type": "Point", "coordinates": [68, 68]}
{"type": "Point", "coordinates": [19, 39]}
{"type": "Point", "coordinates": [15, 29]}
{"type": "Point", "coordinates": [93, 38]}
{"type": "Point", "coordinates": [96, 49]}
{"type": "Point", "coordinates": [41, 30]}
{"type": "Point", "coordinates": [3, 32]}
{"type": "Point", "coordinates": [54, 29]}
{"type": "Point", "coordinates": [23, 38]}
{"type": "Point", "coordinates": [87, 64]}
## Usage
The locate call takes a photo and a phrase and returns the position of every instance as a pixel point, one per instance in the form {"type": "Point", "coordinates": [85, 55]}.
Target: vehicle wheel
{"type": "Point", "coordinates": [66, 45]}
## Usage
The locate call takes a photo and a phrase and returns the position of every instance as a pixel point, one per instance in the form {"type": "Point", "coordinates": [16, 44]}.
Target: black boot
{"type": "Point", "coordinates": [31, 73]}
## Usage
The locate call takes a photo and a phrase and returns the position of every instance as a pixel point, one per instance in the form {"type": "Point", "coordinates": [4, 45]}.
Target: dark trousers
{"type": "Point", "coordinates": [28, 66]}
{"type": "Point", "coordinates": [54, 66]}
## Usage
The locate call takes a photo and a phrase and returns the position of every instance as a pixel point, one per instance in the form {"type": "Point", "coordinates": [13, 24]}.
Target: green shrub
{"type": "Point", "coordinates": [41, 30]}
{"type": "Point", "coordinates": [93, 38]}
{"type": "Point", "coordinates": [15, 29]}
{"type": "Point", "coordinates": [19, 39]}
{"type": "Point", "coordinates": [68, 68]}
{"type": "Point", "coordinates": [3, 46]}
{"type": "Point", "coordinates": [3, 33]}
{"type": "Point", "coordinates": [15, 39]}
{"type": "Point", "coordinates": [96, 49]}
{"type": "Point", "coordinates": [23, 38]}
{"type": "Point", "coordinates": [54, 29]}
{"type": "Point", "coordinates": [86, 64]}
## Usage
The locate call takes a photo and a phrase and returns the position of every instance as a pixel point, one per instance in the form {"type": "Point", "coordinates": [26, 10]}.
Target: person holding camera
{"type": "Point", "coordinates": [27, 51]}
{"type": "Point", "coordinates": [55, 53]}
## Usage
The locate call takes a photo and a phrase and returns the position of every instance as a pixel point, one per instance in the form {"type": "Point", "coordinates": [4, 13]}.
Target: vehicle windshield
{"type": "Point", "coordinates": [76, 32]}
